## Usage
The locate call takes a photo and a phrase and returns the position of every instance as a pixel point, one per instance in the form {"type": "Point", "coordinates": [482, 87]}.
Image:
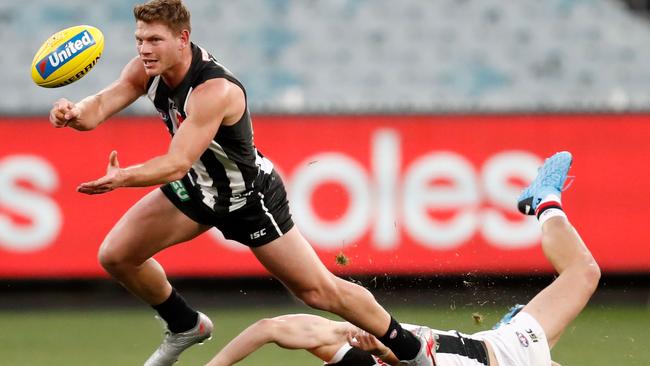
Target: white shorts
{"type": "Point", "coordinates": [521, 342]}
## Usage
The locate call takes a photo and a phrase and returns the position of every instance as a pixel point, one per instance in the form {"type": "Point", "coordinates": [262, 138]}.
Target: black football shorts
{"type": "Point", "coordinates": [264, 218]}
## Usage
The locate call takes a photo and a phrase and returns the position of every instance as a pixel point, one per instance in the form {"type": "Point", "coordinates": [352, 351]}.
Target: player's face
{"type": "Point", "coordinates": [158, 47]}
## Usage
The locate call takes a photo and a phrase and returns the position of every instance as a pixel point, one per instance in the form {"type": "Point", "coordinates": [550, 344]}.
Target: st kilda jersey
{"type": "Point", "coordinates": [452, 349]}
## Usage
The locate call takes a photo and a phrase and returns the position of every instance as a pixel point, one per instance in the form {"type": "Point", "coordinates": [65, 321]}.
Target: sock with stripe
{"type": "Point", "coordinates": [403, 343]}
{"type": "Point", "coordinates": [550, 206]}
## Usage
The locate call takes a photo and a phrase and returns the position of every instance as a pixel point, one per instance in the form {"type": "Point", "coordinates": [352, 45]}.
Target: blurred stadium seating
{"type": "Point", "coordinates": [372, 56]}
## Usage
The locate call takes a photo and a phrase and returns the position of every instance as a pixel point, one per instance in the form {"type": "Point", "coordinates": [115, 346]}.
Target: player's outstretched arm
{"type": "Point", "coordinates": [320, 336]}
{"type": "Point", "coordinates": [207, 107]}
{"type": "Point", "coordinates": [91, 111]}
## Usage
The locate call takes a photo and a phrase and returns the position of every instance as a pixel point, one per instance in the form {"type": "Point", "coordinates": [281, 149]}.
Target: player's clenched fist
{"type": "Point", "coordinates": [63, 112]}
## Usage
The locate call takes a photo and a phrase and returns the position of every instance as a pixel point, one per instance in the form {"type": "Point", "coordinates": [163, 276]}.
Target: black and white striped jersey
{"type": "Point", "coordinates": [452, 349]}
{"type": "Point", "coordinates": [225, 174]}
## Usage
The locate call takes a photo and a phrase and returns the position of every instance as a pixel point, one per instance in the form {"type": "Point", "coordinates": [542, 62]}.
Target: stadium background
{"type": "Point", "coordinates": [404, 131]}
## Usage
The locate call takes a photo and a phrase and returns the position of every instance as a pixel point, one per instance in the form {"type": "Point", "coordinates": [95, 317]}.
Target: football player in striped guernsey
{"type": "Point", "coordinates": [212, 175]}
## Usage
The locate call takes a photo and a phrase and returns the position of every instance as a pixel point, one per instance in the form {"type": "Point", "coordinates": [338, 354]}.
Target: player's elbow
{"type": "Point", "coordinates": [268, 328]}
{"type": "Point", "coordinates": [179, 167]}
{"type": "Point", "coordinates": [285, 332]}
{"type": "Point", "coordinates": [177, 175]}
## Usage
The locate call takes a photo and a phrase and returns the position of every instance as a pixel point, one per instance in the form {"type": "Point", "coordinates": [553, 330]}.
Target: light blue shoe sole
{"type": "Point", "coordinates": [550, 180]}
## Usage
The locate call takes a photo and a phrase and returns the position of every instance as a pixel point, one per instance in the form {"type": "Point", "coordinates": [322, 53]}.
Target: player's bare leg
{"type": "Point", "coordinates": [293, 261]}
{"type": "Point", "coordinates": [148, 227]}
{"type": "Point", "coordinates": [559, 303]}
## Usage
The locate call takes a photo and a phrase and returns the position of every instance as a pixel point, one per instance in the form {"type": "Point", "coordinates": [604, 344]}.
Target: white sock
{"type": "Point", "coordinates": [550, 213]}
{"type": "Point", "coordinates": [549, 207]}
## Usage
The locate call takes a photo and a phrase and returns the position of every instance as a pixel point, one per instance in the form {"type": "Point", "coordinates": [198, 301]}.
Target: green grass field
{"type": "Point", "coordinates": [602, 335]}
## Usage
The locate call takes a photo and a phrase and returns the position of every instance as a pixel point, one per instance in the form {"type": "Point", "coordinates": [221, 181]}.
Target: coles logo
{"type": "Point", "coordinates": [388, 197]}
{"type": "Point", "coordinates": [42, 216]}
{"type": "Point", "coordinates": [64, 53]}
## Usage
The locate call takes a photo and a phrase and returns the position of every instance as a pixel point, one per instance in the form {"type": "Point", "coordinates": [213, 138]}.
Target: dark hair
{"type": "Point", "coordinates": [172, 13]}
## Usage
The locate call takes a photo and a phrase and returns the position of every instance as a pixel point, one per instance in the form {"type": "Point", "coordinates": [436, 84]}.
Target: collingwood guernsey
{"type": "Point", "coordinates": [224, 177]}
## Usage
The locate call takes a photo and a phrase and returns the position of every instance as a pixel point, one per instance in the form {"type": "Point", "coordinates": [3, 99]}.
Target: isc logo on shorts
{"type": "Point", "coordinates": [532, 335]}
{"type": "Point", "coordinates": [64, 53]}
{"type": "Point", "coordinates": [180, 190]}
{"type": "Point", "coordinates": [258, 234]}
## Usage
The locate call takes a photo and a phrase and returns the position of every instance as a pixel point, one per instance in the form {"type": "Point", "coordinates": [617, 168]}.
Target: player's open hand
{"type": "Point", "coordinates": [63, 112]}
{"type": "Point", "coordinates": [367, 342]}
{"type": "Point", "coordinates": [113, 178]}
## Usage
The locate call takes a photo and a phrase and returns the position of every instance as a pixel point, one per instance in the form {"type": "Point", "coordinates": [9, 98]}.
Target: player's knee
{"type": "Point", "coordinates": [107, 259]}
{"type": "Point", "coordinates": [336, 295]}
{"type": "Point", "coordinates": [586, 274]}
{"type": "Point", "coordinates": [591, 274]}
{"type": "Point", "coordinates": [110, 258]}
{"type": "Point", "coordinates": [316, 299]}
{"type": "Point", "coordinates": [323, 297]}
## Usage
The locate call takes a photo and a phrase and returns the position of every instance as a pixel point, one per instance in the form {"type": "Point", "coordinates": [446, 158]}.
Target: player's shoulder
{"type": "Point", "coordinates": [133, 73]}
{"type": "Point", "coordinates": [214, 87]}
{"type": "Point", "coordinates": [219, 88]}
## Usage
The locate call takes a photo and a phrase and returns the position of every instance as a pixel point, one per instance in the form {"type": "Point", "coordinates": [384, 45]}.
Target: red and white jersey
{"type": "Point", "coordinates": [452, 349]}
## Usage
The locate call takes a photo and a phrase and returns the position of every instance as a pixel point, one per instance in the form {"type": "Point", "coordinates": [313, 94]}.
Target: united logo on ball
{"type": "Point", "coordinates": [67, 56]}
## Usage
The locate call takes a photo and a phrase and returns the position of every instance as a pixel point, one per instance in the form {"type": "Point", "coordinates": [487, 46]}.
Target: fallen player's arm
{"type": "Point", "coordinates": [369, 343]}
{"type": "Point", "coordinates": [320, 336]}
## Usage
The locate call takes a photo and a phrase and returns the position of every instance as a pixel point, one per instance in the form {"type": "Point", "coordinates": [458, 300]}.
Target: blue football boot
{"type": "Point", "coordinates": [509, 315]}
{"type": "Point", "coordinates": [550, 180]}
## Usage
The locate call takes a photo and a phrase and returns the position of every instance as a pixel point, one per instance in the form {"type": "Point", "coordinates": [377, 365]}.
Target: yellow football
{"type": "Point", "coordinates": [67, 56]}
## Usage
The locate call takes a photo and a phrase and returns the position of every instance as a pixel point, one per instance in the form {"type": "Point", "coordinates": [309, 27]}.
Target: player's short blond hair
{"type": "Point", "coordinates": [172, 13]}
